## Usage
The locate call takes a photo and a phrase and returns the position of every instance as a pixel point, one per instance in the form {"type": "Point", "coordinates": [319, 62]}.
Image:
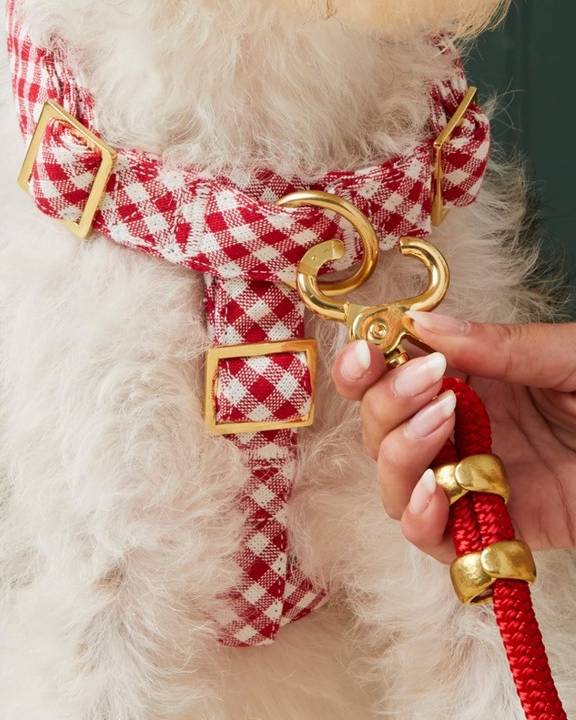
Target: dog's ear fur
{"type": "Point", "coordinates": [478, 16]}
{"type": "Point", "coordinates": [463, 18]}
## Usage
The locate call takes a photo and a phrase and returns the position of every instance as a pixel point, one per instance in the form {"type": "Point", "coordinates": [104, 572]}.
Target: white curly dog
{"type": "Point", "coordinates": [118, 517]}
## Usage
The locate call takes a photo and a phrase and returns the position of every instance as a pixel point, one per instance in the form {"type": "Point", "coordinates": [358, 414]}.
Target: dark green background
{"type": "Point", "coordinates": [530, 62]}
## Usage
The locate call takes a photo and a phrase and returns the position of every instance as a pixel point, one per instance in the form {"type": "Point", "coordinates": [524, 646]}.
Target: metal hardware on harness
{"type": "Point", "coordinates": [361, 224]}
{"type": "Point", "coordinates": [213, 357]}
{"type": "Point", "coordinates": [439, 211]}
{"type": "Point", "coordinates": [475, 473]}
{"type": "Point", "coordinates": [384, 325]}
{"type": "Point", "coordinates": [474, 574]}
{"type": "Point", "coordinates": [53, 111]}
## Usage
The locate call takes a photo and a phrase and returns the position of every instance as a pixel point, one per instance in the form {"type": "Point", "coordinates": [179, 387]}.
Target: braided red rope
{"type": "Point", "coordinates": [478, 520]}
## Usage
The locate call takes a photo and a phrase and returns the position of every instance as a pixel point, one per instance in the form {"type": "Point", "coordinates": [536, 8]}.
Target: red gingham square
{"type": "Point", "coordinates": [264, 389]}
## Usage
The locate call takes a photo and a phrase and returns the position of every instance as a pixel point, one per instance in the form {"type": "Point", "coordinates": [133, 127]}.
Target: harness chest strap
{"type": "Point", "coordinates": [229, 228]}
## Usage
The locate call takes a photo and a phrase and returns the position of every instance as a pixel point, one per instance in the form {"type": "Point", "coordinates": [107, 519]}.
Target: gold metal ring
{"type": "Point", "coordinates": [361, 224]}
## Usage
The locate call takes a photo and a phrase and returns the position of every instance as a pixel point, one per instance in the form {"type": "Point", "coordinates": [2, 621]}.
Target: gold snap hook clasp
{"type": "Point", "coordinates": [384, 325]}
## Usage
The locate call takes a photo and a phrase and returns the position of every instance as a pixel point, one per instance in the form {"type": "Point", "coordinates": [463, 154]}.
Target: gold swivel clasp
{"type": "Point", "coordinates": [384, 325]}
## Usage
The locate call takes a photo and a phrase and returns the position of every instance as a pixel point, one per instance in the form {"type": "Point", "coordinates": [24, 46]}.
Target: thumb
{"type": "Point", "coordinates": [537, 355]}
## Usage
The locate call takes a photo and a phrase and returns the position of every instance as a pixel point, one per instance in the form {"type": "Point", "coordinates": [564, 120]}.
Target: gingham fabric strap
{"type": "Point", "coordinates": [229, 228]}
{"type": "Point", "coordinates": [228, 225]}
{"type": "Point", "coordinates": [272, 590]}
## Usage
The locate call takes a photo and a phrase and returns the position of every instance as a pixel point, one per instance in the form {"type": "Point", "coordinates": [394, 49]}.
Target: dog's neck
{"type": "Point", "coordinates": [218, 84]}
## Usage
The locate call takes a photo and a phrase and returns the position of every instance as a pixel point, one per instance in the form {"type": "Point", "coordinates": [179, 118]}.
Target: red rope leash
{"type": "Point", "coordinates": [479, 520]}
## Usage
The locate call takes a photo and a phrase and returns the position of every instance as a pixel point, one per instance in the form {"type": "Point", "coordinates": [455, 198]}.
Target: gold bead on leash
{"type": "Point", "coordinates": [476, 473]}
{"type": "Point", "coordinates": [474, 574]}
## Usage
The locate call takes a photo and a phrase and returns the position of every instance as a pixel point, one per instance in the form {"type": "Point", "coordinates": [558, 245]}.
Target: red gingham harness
{"type": "Point", "coordinates": [229, 228]}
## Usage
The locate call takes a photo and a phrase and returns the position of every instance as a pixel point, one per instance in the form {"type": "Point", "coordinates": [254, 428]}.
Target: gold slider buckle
{"type": "Point", "coordinates": [473, 575]}
{"type": "Point", "coordinates": [216, 354]}
{"type": "Point", "coordinates": [53, 111]}
{"type": "Point", "coordinates": [439, 211]}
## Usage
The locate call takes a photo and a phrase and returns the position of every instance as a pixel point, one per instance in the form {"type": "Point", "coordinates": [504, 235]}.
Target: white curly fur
{"type": "Point", "coordinates": [117, 522]}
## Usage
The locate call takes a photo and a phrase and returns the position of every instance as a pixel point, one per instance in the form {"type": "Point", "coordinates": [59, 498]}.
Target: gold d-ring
{"type": "Point", "coordinates": [361, 224]}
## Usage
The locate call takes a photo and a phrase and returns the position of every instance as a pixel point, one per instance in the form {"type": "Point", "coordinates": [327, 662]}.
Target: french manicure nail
{"type": "Point", "coordinates": [440, 324]}
{"type": "Point", "coordinates": [419, 375]}
{"type": "Point", "coordinates": [432, 416]}
{"type": "Point", "coordinates": [423, 493]}
{"type": "Point", "coordinates": [356, 361]}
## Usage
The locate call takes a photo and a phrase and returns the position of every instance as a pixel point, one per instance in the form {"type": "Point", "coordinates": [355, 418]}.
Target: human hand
{"type": "Point", "coordinates": [526, 375]}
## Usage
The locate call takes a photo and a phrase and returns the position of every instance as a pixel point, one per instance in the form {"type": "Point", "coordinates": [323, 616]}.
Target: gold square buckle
{"type": "Point", "coordinates": [53, 111]}
{"type": "Point", "coordinates": [439, 211]}
{"type": "Point", "coordinates": [216, 354]}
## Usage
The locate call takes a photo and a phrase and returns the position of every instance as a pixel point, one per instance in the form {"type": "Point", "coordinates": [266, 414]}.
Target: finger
{"type": "Point", "coordinates": [397, 396]}
{"type": "Point", "coordinates": [538, 355]}
{"type": "Point", "coordinates": [358, 366]}
{"type": "Point", "coordinates": [407, 451]}
{"type": "Point", "coordinates": [425, 520]}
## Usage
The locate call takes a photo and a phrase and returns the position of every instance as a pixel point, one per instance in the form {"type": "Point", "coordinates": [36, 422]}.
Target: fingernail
{"type": "Point", "coordinates": [432, 416]}
{"type": "Point", "coordinates": [356, 360]}
{"type": "Point", "coordinates": [440, 324]}
{"type": "Point", "coordinates": [419, 375]}
{"type": "Point", "coordinates": [423, 493]}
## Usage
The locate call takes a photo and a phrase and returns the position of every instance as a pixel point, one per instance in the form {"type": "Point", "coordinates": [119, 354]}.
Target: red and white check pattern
{"type": "Point", "coordinates": [229, 225]}
{"type": "Point", "coordinates": [272, 590]}
{"type": "Point", "coordinates": [258, 389]}
{"type": "Point", "coordinates": [262, 388]}
{"type": "Point", "coordinates": [230, 228]}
